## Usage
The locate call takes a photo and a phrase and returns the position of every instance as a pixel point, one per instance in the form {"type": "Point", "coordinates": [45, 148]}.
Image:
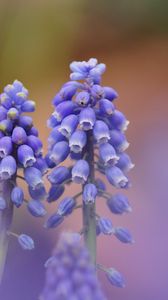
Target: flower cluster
{"type": "Point", "coordinates": [20, 150]}
{"type": "Point", "coordinates": [88, 128]}
{"type": "Point", "coordinates": [70, 274]}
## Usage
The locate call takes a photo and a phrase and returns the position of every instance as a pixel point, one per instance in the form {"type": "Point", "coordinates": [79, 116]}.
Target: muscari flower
{"type": "Point", "coordinates": [85, 114]}
{"type": "Point", "coordinates": [70, 274]}
{"type": "Point", "coordinates": [20, 148]}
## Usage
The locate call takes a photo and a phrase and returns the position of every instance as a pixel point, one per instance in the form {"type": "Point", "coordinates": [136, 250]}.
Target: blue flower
{"type": "Point", "coordinates": [20, 146]}
{"type": "Point", "coordinates": [59, 175]}
{"type": "Point", "coordinates": [19, 136]}
{"type": "Point", "coordinates": [115, 278]}
{"type": "Point", "coordinates": [55, 192]}
{"type": "Point", "coordinates": [108, 154]}
{"type": "Point", "coordinates": [88, 135]}
{"type": "Point", "coordinates": [116, 177]}
{"type": "Point", "coordinates": [68, 125]}
{"type": "Point", "coordinates": [105, 226]}
{"type": "Point", "coordinates": [87, 118]}
{"type": "Point", "coordinates": [33, 177]}
{"type": "Point", "coordinates": [59, 152]}
{"type": "Point", "coordinates": [6, 146]}
{"type": "Point", "coordinates": [89, 193]}
{"type": "Point", "coordinates": [54, 221]}
{"type": "Point", "coordinates": [101, 132]}
{"type": "Point", "coordinates": [123, 235]}
{"type": "Point", "coordinates": [25, 156]}
{"type": "Point", "coordinates": [70, 273]}
{"type": "Point", "coordinates": [66, 206]}
{"type": "Point", "coordinates": [17, 196]}
{"type": "Point", "coordinates": [36, 208]}
{"type": "Point", "coordinates": [80, 171]}
{"type": "Point", "coordinates": [77, 141]}
{"type": "Point", "coordinates": [7, 167]}
{"type": "Point", "coordinates": [26, 242]}
{"type": "Point", "coordinates": [118, 204]}
{"type": "Point", "coordinates": [2, 203]}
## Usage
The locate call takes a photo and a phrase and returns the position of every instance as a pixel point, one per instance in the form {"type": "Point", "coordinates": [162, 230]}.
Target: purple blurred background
{"type": "Point", "coordinates": [38, 41]}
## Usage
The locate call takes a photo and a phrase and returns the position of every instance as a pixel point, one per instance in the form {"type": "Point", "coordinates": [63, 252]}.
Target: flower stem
{"type": "Point", "coordinates": [5, 223]}
{"type": "Point", "coordinates": [89, 219]}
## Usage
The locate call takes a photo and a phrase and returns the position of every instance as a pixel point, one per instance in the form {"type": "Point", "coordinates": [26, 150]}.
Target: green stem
{"type": "Point", "coordinates": [6, 216]}
{"type": "Point", "coordinates": [89, 219]}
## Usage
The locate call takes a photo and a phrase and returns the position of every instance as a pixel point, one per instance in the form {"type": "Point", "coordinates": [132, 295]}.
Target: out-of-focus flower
{"type": "Point", "coordinates": [70, 273]}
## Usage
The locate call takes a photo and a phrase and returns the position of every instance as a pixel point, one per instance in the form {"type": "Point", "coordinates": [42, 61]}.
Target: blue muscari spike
{"type": "Point", "coordinates": [19, 149]}
{"type": "Point", "coordinates": [70, 273]}
{"type": "Point", "coordinates": [84, 114]}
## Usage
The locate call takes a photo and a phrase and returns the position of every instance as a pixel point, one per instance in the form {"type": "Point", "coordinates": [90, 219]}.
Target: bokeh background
{"type": "Point", "coordinates": [38, 40]}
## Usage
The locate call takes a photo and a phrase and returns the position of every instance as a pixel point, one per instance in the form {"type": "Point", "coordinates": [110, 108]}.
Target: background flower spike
{"type": "Point", "coordinates": [19, 150]}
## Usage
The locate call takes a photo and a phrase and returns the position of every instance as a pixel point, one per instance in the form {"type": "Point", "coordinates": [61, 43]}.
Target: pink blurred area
{"type": "Point", "coordinates": [137, 67]}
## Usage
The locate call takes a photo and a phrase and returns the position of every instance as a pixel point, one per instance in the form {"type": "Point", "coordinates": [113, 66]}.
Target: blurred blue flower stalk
{"type": "Point", "coordinates": [20, 159]}
{"type": "Point", "coordinates": [70, 273]}
{"type": "Point", "coordinates": [87, 127]}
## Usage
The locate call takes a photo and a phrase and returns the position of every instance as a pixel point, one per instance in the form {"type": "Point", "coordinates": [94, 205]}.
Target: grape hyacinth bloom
{"type": "Point", "coordinates": [20, 149]}
{"type": "Point", "coordinates": [70, 274]}
{"type": "Point", "coordinates": [89, 131]}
